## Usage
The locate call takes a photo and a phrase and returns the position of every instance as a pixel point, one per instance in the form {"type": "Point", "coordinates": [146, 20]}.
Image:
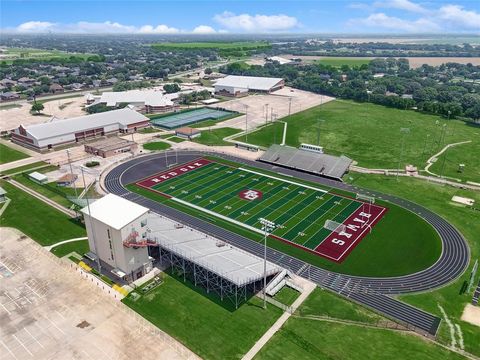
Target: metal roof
{"type": "Point", "coordinates": [114, 211]}
{"type": "Point", "coordinates": [147, 97]}
{"type": "Point", "coordinates": [249, 82]}
{"type": "Point", "coordinates": [123, 117]}
{"type": "Point", "coordinates": [231, 263]}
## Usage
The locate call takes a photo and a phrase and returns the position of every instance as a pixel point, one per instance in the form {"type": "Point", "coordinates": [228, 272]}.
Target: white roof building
{"type": "Point", "coordinates": [60, 132]}
{"type": "Point", "coordinates": [250, 82]}
{"type": "Point", "coordinates": [151, 98]}
{"type": "Point", "coordinates": [114, 211]}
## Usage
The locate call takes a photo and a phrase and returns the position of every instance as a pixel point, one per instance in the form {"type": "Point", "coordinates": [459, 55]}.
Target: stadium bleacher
{"type": "Point", "coordinates": [316, 163]}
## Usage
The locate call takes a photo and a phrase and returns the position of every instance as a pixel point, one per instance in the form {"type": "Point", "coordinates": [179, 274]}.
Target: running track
{"type": "Point", "coordinates": [375, 293]}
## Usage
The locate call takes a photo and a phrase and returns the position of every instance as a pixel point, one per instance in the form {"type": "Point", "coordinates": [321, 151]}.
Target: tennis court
{"type": "Point", "coordinates": [191, 117]}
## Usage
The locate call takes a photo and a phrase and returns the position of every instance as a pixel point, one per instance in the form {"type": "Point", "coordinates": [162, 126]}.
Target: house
{"type": "Point", "coordinates": [56, 88]}
{"type": "Point", "coordinates": [7, 96]}
{"type": "Point", "coordinates": [46, 136]}
{"type": "Point", "coordinates": [25, 81]}
{"type": "Point", "coordinates": [188, 133]}
{"type": "Point", "coordinates": [67, 180]}
{"type": "Point", "coordinates": [233, 85]}
{"type": "Point", "coordinates": [8, 83]}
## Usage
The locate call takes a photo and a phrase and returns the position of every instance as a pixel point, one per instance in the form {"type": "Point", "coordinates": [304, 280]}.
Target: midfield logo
{"type": "Point", "coordinates": [250, 194]}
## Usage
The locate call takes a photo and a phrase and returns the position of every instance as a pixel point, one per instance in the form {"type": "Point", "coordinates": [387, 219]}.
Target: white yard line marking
{"type": "Point", "coordinates": [21, 343]}
{"type": "Point", "coordinates": [287, 181]}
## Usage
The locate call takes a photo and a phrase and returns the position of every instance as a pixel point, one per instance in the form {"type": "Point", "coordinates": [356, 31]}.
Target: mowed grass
{"type": "Point", "coordinates": [211, 328]}
{"type": "Point", "coordinates": [7, 154]}
{"type": "Point", "coordinates": [215, 137]}
{"type": "Point", "coordinates": [287, 295]}
{"type": "Point", "coordinates": [340, 61]}
{"type": "Point", "coordinates": [386, 251]}
{"type": "Point", "coordinates": [438, 199]}
{"type": "Point", "coordinates": [156, 145]}
{"type": "Point", "coordinates": [37, 220]}
{"type": "Point", "coordinates": [370, 134]}
{"type": "Point", "coordinates": [216, 45]}
{"type": "Point", "coordinates": [448, 162]}
{"type": "Point", "coordinates": [312, 339]}
{"type": "Point", "coordinates": [80, 247]}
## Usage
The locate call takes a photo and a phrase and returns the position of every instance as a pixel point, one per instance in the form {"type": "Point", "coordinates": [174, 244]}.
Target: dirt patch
{"type": "Point", "coordinates": [84, 324]}
{"type": "Point", "coordinates": [471, 314]}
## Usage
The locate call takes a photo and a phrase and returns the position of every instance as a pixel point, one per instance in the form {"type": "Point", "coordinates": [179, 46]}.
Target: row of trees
{"type": "Point", "coordinates": [450, 90]}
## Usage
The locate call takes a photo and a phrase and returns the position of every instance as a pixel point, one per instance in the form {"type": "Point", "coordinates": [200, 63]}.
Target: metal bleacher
{"type": "Point", "coordinates": [321, 164]}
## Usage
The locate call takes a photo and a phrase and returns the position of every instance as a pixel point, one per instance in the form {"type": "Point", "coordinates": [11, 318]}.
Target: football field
{"type": "Point", "coordinates": [243, 196]}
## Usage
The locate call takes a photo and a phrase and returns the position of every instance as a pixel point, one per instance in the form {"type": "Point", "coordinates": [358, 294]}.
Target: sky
{"type": "Point", "coordinates": [237, 16]}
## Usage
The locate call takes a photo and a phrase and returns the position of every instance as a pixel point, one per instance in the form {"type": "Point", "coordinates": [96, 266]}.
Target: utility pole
{"type": "Point", "coordinates": [267, 226]}
{"type": "Point", "coordinates": [246, 122]}
{"type": "Point", "coordinates": [404, 131]}
{"type": "Point", "coordinates": [91, 224]}
{"type": "Point", "coordinates": [71, 173]}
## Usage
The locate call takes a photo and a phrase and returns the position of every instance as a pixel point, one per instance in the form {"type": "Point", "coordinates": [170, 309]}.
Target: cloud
{"type": "Point", "coordinates": [35, 26]}
{"type": "Point", "coordinates": [107, 27]}
{"type": "Point", "coordinates": [447, 18]}
{"type": "Point", "coordinates": [406, 5]}
{"type": "Point", "coordinates": [256, 23]}
{"type": "Point", "coordinates": [383, 21]}
{"type": "Point", "coordinates": [203, 29]}
{"type": "Point", "coordinates": [456, 15]}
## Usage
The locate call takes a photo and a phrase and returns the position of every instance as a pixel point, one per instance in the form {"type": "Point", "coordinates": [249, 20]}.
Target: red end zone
{"type": "Point", "coordinates": [153, 180]}
{"type": "Point", "coordinates": [337, 246]}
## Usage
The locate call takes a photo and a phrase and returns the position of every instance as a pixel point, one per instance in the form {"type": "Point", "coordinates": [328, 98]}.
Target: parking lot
{"type": "Point", "coordinates": [49, 312]}
{"type": "Point", "coordinates": [281, 102]}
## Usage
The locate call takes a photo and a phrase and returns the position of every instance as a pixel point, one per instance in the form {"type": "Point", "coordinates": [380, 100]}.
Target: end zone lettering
{"type": "Point", "coordinates": [179, 170]}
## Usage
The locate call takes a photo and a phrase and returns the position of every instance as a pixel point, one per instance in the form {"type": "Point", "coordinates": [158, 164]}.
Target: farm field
{"type": "Point", "coordinates": [241, 45]}
{"type": "Point", "coordinates": [11, 54]}
{"type": "Point", "coordinates": [370, 134]}
{"type": "Point", "coordinates": [7, 154]}
{"type": "Point", "coordinates": [211, 328]}
{"type": "Point", "coordinates": [340, 61]}
{"type": "Point", "coordinates": [301, 211]}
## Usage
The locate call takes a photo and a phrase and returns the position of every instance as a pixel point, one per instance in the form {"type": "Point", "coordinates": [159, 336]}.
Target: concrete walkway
{"type": "Point", "coordinates": [50, 247]}
{"type": "Point", "coordinates": [308, 287]}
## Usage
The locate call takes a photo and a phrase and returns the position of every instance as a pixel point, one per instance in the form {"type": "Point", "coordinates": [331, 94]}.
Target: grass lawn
{"type": "Point", "coordinates": [80, 247]}
{"type": "Point", "coordinates": [157, 145]}
{"type": "Point", "coordinates": [209, 327]}
{"type": "Point", "coordinates": [312, 339]}
{"type": "Point", "coordinates": [449, 161]}
{"type": "Point", "coordinates": [370, 134]}
{"type": "Point", "coordinates": [324, 303]}
{"type": "Point", "coordinates": [175, 139]}
{"type": "Point", "coordinates": [7, 154]}
{"type": "Point", "coordinates": [38, 164]}
{"type": "Point", "coordinates": [339, 61]}
{"type": "Point", "coordinates": [374, 255]}
{"type": "Point", "coordinates": [37, 220]}
{"type": "Point", "coordinates": [10, 106]}
{"type": "Point", "coordinates": [149, 130]}
{"type": "Point", "coordinates": [437, 198]}
{"type": "Point", "coordinates": [287, 295]}
{"type": "Point", "coordinates": [215, 137]}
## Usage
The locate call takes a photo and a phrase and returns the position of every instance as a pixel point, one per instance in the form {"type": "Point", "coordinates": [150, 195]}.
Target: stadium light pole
{"type": "Point", "coordinates": [266, 113]}
{"type": "Point", "coordinates": [91, 223]}
{"type": "Point", "coordinates": [71, 173]}
{"type": "Point", "coordinates": [404, 131]}
{"type": "Point", "coordinates": [267, 226]}
{"type": "Point", "coordinates": [246, 122]}
{"type": "Point", "coordinates": [289, 105]}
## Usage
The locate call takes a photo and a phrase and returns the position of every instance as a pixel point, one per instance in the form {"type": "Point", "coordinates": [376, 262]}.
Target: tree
{"type": "Point", "coordinates": [208, 71]}
{"type": "Point", "coordinates": [37, 107]}
{"type": "Point", "coordinates": [171, 88]}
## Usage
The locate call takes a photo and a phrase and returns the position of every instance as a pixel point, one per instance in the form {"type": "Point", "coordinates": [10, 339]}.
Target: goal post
{"type": "Point", "coordinates": [366, 198]}
{"type": "Point", "coordinates": [334, 226]}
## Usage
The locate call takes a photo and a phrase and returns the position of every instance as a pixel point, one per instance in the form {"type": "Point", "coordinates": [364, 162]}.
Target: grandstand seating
{"type": "Point", "coordinates": [316, 163]}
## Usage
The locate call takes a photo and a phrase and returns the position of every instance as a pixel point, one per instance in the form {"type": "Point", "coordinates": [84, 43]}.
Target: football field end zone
{"type": "Point", "coordinates": [328, 246]}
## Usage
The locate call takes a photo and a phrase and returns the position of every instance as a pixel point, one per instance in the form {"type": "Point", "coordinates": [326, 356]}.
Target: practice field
{"type": "Point", "coordinates": [243, 196]}
{"type": "Point", "coordinates": [191, 117]}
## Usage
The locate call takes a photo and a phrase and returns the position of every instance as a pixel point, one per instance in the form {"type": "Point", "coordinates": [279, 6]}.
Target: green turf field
{"type": "Point", "coordinates": [7, 154]}
{"type": "Point", "coordinates": [156, 145]}
{"type": "Point", "coordinates": [370, 134]}
{"type": "Point", "coordinates": [382, 252]}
